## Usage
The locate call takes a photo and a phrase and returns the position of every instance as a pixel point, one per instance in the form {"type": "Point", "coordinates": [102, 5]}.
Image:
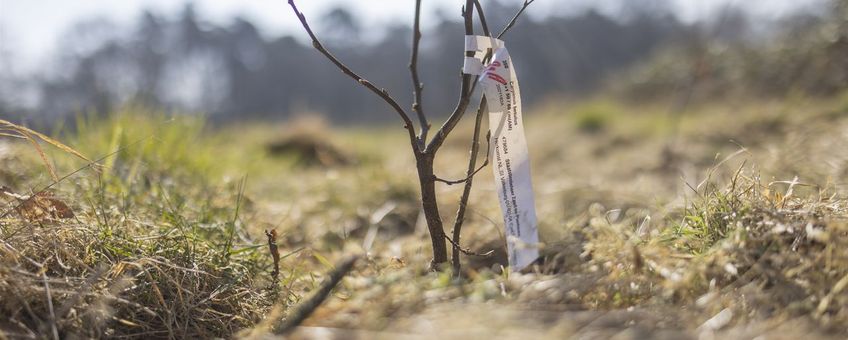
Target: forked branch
{"type": "Point", "coordinates": [382, 93]}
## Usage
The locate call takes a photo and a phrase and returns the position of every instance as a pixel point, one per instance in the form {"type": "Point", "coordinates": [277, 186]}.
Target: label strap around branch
{"type": "Point", "coordinates": [509, 155]}
{"type": "Point", "coordinates": [479, 45]}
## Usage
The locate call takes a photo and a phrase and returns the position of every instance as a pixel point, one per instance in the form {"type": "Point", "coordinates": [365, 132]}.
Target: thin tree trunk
{"type": "Point", "coordinates": [431, 209]}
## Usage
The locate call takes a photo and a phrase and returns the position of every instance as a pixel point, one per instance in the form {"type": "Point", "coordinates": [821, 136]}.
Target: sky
{"type": "Point", "coordinates": [30, 29]}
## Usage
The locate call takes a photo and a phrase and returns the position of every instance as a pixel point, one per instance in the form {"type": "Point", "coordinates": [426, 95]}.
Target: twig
{"type": "Point", "coordinates": [417, 86]}
{"type": "Point", "coordinates": [465, 179]}
{"type": "Point", "coordinates": [307, 307]}
{"type": "Point", "coordinates": [515, 18]}
{"type": "Point", "coordinates": [382, 93]}
{"type": "Point", "coordinates": [467, 251]}
{"type": "Point", "coordinates": [275, 253]}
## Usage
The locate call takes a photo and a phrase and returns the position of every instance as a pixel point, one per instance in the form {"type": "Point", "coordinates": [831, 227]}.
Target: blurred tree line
{"type": "Point", "coordinates": [232, 72]}
{"type": "Point", "coordinates": [806, 54]}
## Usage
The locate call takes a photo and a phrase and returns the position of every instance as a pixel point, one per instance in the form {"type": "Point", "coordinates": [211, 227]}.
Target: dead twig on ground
{"type": "Point", "coordinates": [308, 306]}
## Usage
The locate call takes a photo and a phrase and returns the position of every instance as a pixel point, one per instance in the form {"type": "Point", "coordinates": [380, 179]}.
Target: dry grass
{"type": "Point", "coordinates": [11, 130]}
{"type": "Point", "coordinates": [149, 255]}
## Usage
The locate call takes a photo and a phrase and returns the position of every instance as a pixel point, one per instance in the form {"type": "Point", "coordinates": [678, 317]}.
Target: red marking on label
{"type": "Point", "coordinates": [496, 78]}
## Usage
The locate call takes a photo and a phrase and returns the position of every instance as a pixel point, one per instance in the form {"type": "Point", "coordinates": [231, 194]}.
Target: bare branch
{"type": "Point", "coordinates": [417, 87]}
{"type": "Point", "coordinates": [467, 88]}
{"type": "Point", "coordinates": [467, 251]}
{"type": "Point", "coordinates": [515, 18]}
{"type": "Point", "coordinates": [382, 93]}
{"type": "Point", "coordinates": [275, 253]}
{"type": "Point", "coordinates": [466, 178]}
{"type": "Point", "coordinates": [466, 191]}
{"type": "Point", "coordinates": [482, 17]}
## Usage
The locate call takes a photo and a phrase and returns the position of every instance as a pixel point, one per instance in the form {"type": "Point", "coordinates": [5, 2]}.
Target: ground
{"type": "Point", "coordinates": [723, 220]}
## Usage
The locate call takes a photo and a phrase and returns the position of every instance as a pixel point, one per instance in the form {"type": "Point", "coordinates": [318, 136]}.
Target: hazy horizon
{"type": "Point", "coordinates": [31, 30]}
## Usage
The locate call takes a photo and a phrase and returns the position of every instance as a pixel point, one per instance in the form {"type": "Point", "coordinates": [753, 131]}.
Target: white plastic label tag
{"type": "Point", "coordinates": [510, 159]}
